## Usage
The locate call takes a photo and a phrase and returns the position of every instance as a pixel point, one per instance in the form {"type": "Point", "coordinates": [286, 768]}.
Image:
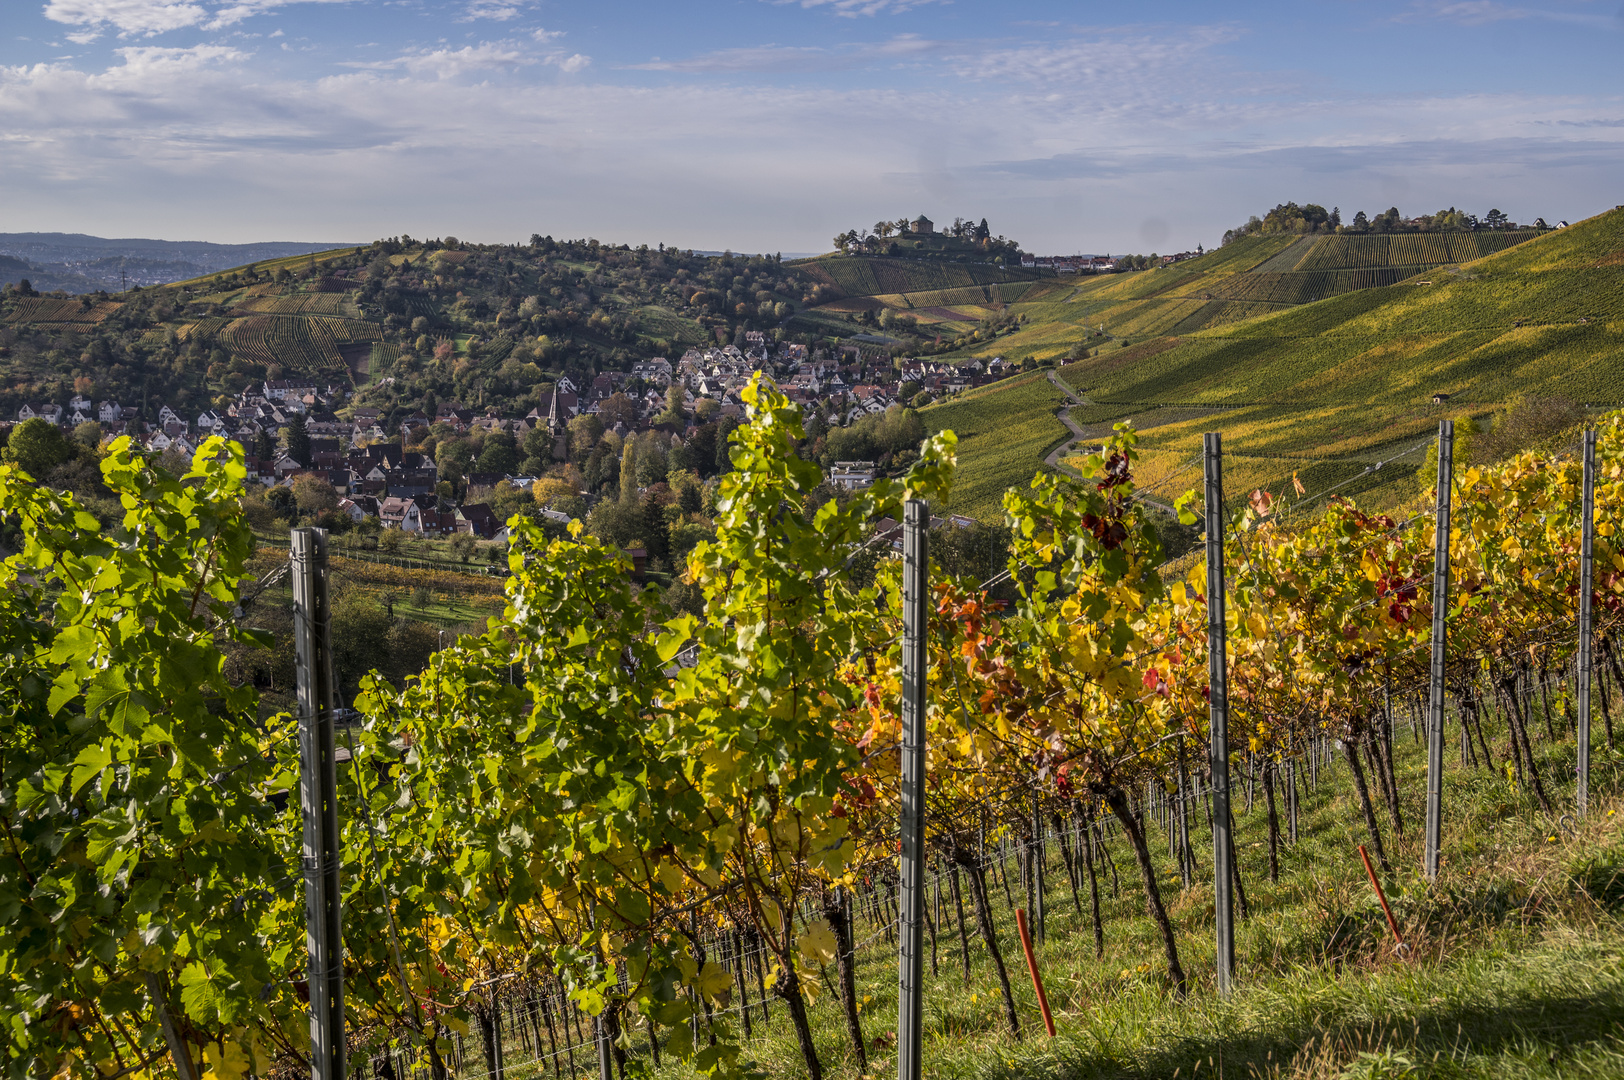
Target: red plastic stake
{"type": "Point", "coordinates": [1032, 966]}
{"type": "Point", "coordinates": [1392, 924]}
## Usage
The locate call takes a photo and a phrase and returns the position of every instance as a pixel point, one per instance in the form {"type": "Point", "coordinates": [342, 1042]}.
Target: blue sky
{"type": "Point", "coordinates": [774, 124]}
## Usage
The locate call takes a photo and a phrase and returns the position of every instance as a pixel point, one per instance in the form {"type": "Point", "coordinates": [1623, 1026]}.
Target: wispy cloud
{"type": "Point", "coordinates": [799, 58]}
{"type": "Point", "coordinates": [1485, 12]}
{"type": "Point", "coordinates": [1167, 54]}
{"type": "Point", "coordinates": [487, 56]}
{"type": "Point", "coordinates": [448, 63]}
{"type": "Point", "coordinates": [851, 9]}
{"type": "Point", "coordinates": [495, 10]}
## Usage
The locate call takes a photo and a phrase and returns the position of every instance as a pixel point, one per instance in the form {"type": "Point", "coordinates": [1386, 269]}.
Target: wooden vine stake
{"type": "Point", "coordinates": [1032, 966]}
{"type": "Point", "coordinates": [1392, 923]}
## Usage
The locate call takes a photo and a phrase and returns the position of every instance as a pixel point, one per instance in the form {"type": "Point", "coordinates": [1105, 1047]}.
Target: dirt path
{"type": "Point", "coordinates": [1070, 446]}
{"type": "Point", "coordinates": [1067, 447]}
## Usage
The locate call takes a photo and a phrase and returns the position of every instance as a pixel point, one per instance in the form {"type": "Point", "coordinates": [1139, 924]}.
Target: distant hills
{"type": "Point", "coordinates": [77, 263]}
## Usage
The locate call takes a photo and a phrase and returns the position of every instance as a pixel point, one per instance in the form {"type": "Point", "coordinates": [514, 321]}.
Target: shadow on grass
{"type": "Point", "coordinates": [1553, 1027]}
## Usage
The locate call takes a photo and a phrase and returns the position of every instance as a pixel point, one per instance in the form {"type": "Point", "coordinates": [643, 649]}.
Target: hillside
{"type": "Point", "coordinates": [484, 324]}
{"type": "Point", "coordinates": [1034, 315]}
{"type": "Point", "coordinates": [1325, 390]}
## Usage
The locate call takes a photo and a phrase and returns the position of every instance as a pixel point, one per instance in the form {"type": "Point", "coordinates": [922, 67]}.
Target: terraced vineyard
{"type": "Point", "coordinates": [864, 276]}
{"type": "Point", "coordinates": [1301, 287]}
{"type": "Point", "coordinates": [48, 311]}
{"type": "Point", "coordinates": [338, 304]}
{"type": "Point", "coordinates": [308, 346]}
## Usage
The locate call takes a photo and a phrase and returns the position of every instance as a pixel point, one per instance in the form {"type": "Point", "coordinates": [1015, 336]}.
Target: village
{"type": "Point", "coordinates": [292, 428]}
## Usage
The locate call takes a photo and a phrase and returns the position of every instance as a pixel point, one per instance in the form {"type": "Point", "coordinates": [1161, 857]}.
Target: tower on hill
{"type": "Point", "coordinates": [922, 225]}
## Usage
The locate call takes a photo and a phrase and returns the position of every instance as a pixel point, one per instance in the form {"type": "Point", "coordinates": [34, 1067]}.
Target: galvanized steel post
{"type": "Point", "coordinates": [910, 937]}
{"type": "Point", "coordinates": [1440, 641]}
{"type": "Point", "coordinates": [1223, 875]}
{"type": "Point", "coordinates": [1587, 571]}
{"type": "Point", "coordinates": [318, 802]}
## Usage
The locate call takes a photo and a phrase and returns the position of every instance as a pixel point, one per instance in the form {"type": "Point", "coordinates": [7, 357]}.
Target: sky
{"type": "Point", "coordinates": [772, 125]}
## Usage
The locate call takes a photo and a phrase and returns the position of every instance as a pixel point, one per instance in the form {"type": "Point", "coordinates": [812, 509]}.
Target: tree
{"type": "Point", "coordinates": [724, 452]}
{"type": "Point", "coordinates": [628, 472]}
{"type": "Point", "coordinates": [360, 640]}
{"type": "Point", "coordinates": [585, 431]}
{"type": "Point", "coordinates": [282, 500]}
{"type": "Point", "coordinates": [313, 495]}
{"type": "Point", "coordinates": [674, 413]}
{"type": "Point", "coordinates": [88, 434]}
{"type": "Point", "coordinates": [38, 446]}
{"type": "Point", "coordinates": [500, 455]}
{"type": "Point", "coordinates": [553, 493]}
{"type": "Point", "coordinates": [298, 440]}
{"type": "Point", "coordinates": [618, 409]}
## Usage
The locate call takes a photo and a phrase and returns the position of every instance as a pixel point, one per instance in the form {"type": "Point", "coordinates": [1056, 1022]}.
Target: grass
{"type": "Point", "coordinates": [1003, 431]}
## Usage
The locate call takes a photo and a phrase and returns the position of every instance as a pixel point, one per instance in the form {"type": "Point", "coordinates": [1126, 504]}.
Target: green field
{"type": "Point", "coordinates": [1003, 431]}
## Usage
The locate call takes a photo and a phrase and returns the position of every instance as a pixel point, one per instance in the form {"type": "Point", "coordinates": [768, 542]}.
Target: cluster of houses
{"type": "Point", "coordinates": [375, 478]}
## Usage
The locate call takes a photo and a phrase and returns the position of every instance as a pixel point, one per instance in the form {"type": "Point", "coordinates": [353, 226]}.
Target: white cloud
{"type": "Point", "coordinates": [570, 64]}
{"type": "Point", "coordinates": [129, 16]}
{"type": "Point", "coordinates": [799, 58]}
{"type": "Point", "coordinates": [450, 63]}
{"type": "Point", "coordinates": [149, 60]}
{"type": "Point", "coordinates": [497, 10]}
{"type": "Point", "coordinates": [83, 37]}
{"type": "Point", "coordinates": [546, 35]}
{"type": "Point", "coordinates": [1113, 57]}
{"type": "Point", "coordinates": [150, 17]}
{"type": "Point", "coordinates": [851, 9]}
{"type": "Point", "coordinates": [1485, 12]}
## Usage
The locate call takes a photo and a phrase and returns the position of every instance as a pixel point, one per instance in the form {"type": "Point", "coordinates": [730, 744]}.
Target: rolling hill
{"type": "Point", "coordinates": [1047, 317]}
{"type": "Point", "coordinates": [484, 324]}
{"type": "Point", "coordinates": [1330, 390]}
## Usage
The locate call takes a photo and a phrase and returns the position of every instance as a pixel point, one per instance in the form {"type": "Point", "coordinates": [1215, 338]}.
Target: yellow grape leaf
{"type": "Point", "coordinates": [226, 1062]}
{"type": "Point", "coordinates": [671, 877]}
{"type": "Point", "coordinates": [714, 982]}
{"type": "Point", "coordinates": [819, 943]}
